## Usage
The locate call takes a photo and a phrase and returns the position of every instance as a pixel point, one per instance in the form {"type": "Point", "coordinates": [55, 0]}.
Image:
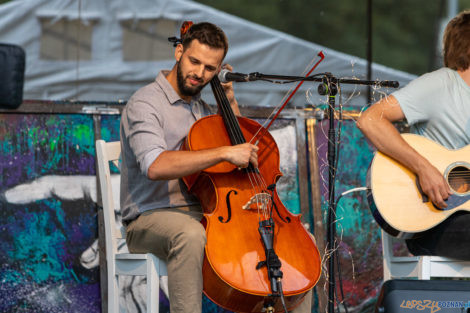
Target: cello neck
{"type": "Point", "coordinates": [231, 122]}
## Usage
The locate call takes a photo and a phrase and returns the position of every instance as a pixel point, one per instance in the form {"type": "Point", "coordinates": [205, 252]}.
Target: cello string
{"type": "Point", "coordinates": [223, 107]}
{"type": "Point", "coordinates": [234, 129]}
{"type": "Point", "coordinates": [274, 110]}
{"type": "Point", "coordinates": [259, 196]}
{"type": "Point", "coordinates": [258, 176]}
{"type": "Point", "coordinates": [233, 123]}
{"type": "Point", "coordinates": [228, 113]}
{"type": "Point", "coordinates": [256, 180]}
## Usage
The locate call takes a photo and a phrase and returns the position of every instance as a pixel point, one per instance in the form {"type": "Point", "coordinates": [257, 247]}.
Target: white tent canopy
{"type": "Point", "coordinates": [102, 59]}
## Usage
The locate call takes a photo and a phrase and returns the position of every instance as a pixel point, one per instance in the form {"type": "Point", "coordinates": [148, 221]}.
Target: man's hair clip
{"type": "Point", "coordinates": [183, 30]}
{"type": "Point", "coordinates": [175, 41]}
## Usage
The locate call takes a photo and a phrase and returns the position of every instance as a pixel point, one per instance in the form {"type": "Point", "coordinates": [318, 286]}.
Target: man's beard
{"type": "Point", "coordinates": [185, 90]}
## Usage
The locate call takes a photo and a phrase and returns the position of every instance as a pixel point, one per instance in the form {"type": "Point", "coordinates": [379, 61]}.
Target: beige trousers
{"type": "Point", "coordinates": [177, 236]}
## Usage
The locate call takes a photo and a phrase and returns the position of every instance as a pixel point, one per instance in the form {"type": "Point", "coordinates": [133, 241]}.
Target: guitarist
{"type": "Point", "coordinates": [437, 106]}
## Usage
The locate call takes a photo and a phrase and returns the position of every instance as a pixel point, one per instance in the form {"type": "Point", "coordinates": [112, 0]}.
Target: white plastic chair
{"type": "Point", "coordinates": [422, 267]}
{"type": "Point", "coordinates": [123, 263]}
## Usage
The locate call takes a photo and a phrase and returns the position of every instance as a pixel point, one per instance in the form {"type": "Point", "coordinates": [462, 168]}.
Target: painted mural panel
{"type": "Point", "coordinates": [48, 213]}
{"type": "Point", "coordinates": [359, 243]}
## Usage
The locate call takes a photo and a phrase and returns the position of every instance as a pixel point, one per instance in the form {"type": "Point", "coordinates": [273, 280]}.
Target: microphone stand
{"type": "Point", "coordinates": [320, 78]}
{"type": "Point", "coordinates": [328, 87]}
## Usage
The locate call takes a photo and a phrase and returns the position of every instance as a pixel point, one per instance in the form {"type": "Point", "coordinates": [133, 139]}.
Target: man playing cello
{"type": "Point", "coordinates": [161, 216]}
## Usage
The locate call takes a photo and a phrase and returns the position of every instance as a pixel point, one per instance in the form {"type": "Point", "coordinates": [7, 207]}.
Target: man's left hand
{"type": "Point", "coordinates": [228, 88]}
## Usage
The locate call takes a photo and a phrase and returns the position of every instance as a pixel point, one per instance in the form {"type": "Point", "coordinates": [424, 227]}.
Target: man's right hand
{"type": "Point", "coordinates": [176, 164]}
{"type": "Point", "coordinates": [434, 185]}
{"type": "Point", "coordinates": [242, 155]}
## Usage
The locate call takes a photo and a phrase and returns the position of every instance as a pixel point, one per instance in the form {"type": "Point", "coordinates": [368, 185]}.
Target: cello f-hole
{"type": "Point", "coordinates": [229, 207]}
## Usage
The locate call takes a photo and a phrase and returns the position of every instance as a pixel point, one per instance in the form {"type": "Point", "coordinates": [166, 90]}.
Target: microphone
{"type": "Point", "coordinates": [226, 76]}
{"type": "Point", "coordinates": [388, 83]}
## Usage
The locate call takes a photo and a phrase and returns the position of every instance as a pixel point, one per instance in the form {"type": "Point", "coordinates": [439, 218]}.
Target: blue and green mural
{"type": "Point", "coordinates": [359, 244]}
{"type": "Point", "coordinates": [45, 226]}
{"type": "Point", "coordinates": [48, 214]}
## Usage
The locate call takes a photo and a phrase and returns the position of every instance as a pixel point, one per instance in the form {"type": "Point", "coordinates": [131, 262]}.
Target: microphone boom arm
{"type": "Point", "coordinates": [317, 78]}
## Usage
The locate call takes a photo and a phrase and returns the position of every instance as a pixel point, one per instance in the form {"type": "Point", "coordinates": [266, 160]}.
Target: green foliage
{"type": "Point", "coordinates": [404, 34]}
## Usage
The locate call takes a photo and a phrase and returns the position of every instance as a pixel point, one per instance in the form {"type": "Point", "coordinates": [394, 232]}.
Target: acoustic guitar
{"type": "Point", "coordinates": [396, 200]}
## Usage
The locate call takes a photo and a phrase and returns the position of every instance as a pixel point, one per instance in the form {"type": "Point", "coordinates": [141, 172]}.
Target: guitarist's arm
{"type": "Point", "coordinates": [376, 124]}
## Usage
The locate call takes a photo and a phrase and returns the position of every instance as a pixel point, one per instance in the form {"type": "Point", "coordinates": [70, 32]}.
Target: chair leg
{"type": "Point", "coordinates": [153, 286]}
{"type": "Point", "coordinates": [164, 284]}
{"type": "Point", "coordinates": [424, 267]}
{"type": "Point", "coordinates": [113, 294]}
{"type": "Point", "coordinates": [386, 267]}
{"type": "Point", "coordinates": [387, 254]}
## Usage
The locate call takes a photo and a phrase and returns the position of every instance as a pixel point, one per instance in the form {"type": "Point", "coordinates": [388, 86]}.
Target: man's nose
{"type": "Point", "coordinates": [200, 71]}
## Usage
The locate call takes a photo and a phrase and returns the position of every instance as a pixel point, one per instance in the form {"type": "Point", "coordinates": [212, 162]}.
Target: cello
{"type": "Point", "coordinates": [258, 256]}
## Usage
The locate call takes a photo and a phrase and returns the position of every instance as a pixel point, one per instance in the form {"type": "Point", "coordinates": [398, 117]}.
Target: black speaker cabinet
{"type": "Point", "coordinates": [424, 296]}
{"type": "Point", "coordinates": [12, 66]}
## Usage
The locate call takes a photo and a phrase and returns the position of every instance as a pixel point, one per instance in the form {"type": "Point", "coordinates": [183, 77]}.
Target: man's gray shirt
{"type": "Point", "coordinates": [154, 120]}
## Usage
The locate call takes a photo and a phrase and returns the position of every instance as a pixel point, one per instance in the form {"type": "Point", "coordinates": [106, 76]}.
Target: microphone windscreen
{"type": "Point", "coordinates": [222, 75]}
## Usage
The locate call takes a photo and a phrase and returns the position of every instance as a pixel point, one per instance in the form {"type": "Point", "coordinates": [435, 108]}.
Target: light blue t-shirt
{"type": "Point", "coordinates": [437, 106]}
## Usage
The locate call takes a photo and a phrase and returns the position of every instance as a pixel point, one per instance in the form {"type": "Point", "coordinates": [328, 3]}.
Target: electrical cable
{"type": "Point", "coordinates": [336, 251]}
{"type": "Point", "coordinates": [283, 301]}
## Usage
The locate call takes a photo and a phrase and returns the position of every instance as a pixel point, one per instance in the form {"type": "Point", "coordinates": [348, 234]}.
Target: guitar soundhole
{"type": "Point", "coordinates": [459, 179]}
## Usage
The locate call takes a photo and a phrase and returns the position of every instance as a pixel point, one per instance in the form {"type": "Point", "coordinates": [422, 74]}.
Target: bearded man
{"type": "Point", "coordinates": [161, 216]}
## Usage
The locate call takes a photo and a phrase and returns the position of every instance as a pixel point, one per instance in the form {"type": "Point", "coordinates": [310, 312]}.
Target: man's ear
{"type": "Point", "coordinates": [178, 52]}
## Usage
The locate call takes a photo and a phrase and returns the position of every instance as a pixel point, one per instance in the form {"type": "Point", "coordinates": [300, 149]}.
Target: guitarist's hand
{"type": "Point", "coordinates": [434, 185]}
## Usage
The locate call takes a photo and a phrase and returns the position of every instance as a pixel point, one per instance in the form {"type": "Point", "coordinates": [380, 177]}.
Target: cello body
{"type": "Point", "coordinates": [231, 273]}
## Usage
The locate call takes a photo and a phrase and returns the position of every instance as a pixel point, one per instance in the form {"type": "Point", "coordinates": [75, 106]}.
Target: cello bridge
{"type": "Point", "coordinates": [260, 199]}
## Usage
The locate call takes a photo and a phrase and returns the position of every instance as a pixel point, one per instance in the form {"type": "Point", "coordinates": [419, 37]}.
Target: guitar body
{"type": "Point", "coordinates": [395, 199]}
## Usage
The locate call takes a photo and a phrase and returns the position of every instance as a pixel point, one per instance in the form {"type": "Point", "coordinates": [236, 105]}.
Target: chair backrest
{"type": "Point", "coordinates": [109, 152]}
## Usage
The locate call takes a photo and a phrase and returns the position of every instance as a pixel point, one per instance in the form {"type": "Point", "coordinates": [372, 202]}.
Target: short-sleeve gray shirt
{"type": "Point", "coordinates": [437, 106]}
{"type": "Point", "coordinates": [154, 120]}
